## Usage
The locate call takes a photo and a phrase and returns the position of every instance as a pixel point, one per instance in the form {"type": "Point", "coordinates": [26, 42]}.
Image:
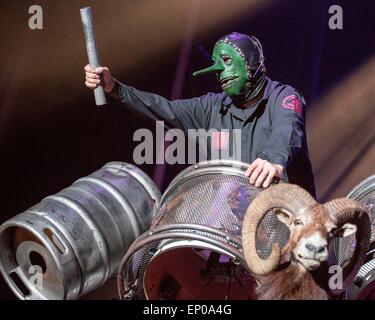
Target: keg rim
{"type": "Point", "coordinates": [6, 274]}
{"type": "Point", "coordinates": [232, 167]}
{"type": "Point", "coordinates": [367, 274]}
{"type": "Point", "coordinates": [362, 189]}
{"type": "Point", "coordinates": [178, 243]}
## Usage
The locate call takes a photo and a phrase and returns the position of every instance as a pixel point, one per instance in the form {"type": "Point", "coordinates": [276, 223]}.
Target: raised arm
{"type": "Point", "coordinates": [183, 113]}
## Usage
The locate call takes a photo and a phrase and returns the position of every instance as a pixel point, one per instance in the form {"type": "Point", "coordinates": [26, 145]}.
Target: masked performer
{"type": "Point", "coordinates": [270, 115]}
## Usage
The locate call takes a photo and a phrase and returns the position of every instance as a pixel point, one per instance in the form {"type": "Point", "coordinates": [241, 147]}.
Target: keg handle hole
{"type": "Point", "coordinates": [20, 285]}
{"type": "Point", "coordinates": [55, 240]}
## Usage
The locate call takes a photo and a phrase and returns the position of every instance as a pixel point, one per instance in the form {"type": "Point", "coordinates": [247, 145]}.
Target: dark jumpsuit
{"type": "Point", "coordinates": [273, 129]}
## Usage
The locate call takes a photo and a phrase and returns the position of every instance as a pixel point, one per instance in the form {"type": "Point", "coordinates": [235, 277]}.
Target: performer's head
{"type": "Point", "coordinates": [239, 64]}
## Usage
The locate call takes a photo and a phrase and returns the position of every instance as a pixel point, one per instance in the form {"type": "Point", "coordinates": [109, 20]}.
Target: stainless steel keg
{"type": "Point", "coordinates": [72, 242]}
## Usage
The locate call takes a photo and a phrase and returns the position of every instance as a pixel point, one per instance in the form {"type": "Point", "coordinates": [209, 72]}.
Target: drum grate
{"type": "Point", "coordinates": [215, 200]}
{"type": "Point", "coordinates": [344, 248]}
{"type": "Point", "coordinates": [219, 199]}
{"type": "Point", "coordinates": [270, 231]}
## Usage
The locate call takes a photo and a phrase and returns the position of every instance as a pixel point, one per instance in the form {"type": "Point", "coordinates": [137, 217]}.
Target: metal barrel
{"type": "Point", "coordinates": [193, 249]}
{"type": "Point", "coordinates": [72, 242]}
{"type": "Point", "coordinates": [363, 287]}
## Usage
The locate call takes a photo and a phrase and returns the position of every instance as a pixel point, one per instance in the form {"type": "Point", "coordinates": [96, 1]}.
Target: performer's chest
{"type": "Point", "coordinates": [249, 131]}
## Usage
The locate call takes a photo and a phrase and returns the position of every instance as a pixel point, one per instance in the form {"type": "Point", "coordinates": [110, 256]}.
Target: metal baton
{"type": "Point", "coordinates": [92, 51]}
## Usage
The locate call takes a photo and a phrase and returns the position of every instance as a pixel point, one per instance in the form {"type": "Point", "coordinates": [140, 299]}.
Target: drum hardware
{"type": "Point", "coordinates": [196, 241]}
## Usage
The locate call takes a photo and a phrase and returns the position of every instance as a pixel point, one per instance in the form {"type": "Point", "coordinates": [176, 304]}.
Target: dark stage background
{"type": "Point", "coordinates": [51, 132]}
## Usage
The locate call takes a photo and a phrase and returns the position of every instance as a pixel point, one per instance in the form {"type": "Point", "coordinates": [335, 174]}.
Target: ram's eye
{"type": "Point", "coordinates": [298, 222]}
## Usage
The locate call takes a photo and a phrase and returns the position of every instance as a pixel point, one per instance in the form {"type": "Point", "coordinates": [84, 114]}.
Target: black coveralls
{"type": "Point", "coordinates": [273, 129]}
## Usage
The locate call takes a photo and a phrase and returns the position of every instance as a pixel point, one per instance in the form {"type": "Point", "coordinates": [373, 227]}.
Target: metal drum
{"type": "Point", "coordinates": [364, 283]}
{"type": "Point", "coordinates": [193, 249]}
{"type": "Point", "coordinates": [72, 242]}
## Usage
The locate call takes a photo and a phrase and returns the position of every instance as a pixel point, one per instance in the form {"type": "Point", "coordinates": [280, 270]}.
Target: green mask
{"type": "Point", "coordinates": [231, 68]}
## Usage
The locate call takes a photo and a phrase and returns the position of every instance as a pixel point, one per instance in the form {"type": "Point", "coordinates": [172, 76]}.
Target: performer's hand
{"type": "Point", "coordinates": [93, 79]}
{"type": "Point", "coordinates": [262, 172]}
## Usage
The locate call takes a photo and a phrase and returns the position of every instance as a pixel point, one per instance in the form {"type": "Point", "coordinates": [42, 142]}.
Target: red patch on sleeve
{"type": "Point", "coordinates": [293, 103]}
{"type": "Point", "coordinates": [220, 140]}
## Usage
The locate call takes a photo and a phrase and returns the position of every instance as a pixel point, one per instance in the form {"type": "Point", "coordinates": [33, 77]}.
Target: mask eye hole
{"type": "Point", "coordinates": [227, 59]}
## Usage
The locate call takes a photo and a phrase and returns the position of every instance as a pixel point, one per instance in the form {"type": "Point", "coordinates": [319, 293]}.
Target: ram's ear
{"type": "Point", "coordinates": [346, 230]}
{"type": "Point", "coordinates": [284, 216]}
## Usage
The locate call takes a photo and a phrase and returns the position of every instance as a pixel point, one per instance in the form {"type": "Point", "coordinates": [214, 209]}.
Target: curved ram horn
{"type": "Point", "coordinates": [287, 197]}
{"type": "Point", "coordinates": [350, 211]}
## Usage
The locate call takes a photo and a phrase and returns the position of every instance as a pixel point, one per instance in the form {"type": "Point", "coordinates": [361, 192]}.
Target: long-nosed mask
{"type": "Point", "coordinates": [239, 65]}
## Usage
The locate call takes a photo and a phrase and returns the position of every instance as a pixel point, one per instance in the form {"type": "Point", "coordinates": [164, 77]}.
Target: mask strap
{"type": "Point", "coordinates": [251, 94]}
{"type": "Point", "coordinates": [261, 66]}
